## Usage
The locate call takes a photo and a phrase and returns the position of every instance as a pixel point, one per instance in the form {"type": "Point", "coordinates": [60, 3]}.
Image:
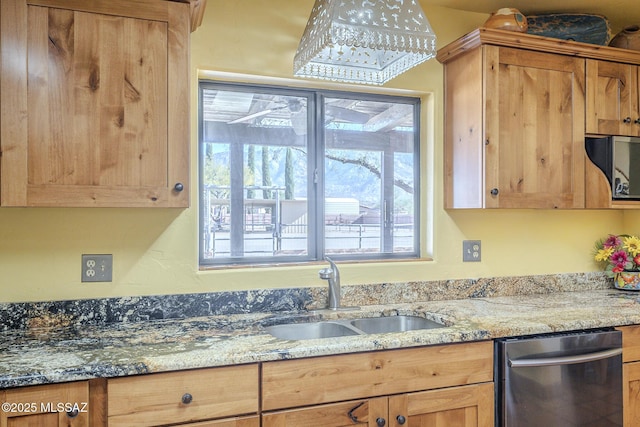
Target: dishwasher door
{"type": "Point", "coordinates": [560, 380]}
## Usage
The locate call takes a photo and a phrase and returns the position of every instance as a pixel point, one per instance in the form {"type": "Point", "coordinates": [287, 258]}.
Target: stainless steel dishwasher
{"type": "Point", "coordinates": [560, 380]}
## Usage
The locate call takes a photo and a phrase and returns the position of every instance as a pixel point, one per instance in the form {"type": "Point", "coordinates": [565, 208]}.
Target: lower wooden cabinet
{"type": "Point", "coordinates": [465, 406]}
{"type": "Point", "coordinates": [631, 374]}
{"type": "Point", "coordinates": [443, 385]}
{"type": "Point", "coordinates": [65, 404]}
{"type": "Point", "coordinates": [184, 397]}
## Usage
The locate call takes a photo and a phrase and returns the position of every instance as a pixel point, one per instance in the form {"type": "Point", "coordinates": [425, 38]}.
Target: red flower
{"type": "Point", "coordinates": [612, 241]}
{"type": "Point", "coordinates": [619, 258]}
{"type": "Point", "coordinates": [618, 268]}
{"type": "Point", "coordinates": [636, 259]}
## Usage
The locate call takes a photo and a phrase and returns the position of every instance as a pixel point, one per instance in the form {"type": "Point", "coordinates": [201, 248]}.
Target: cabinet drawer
{"type": "Point", "coordinates": [155, 399]}
{"type": "Point", "coordinates": [293, 383]}
{"type": "Point", "coordinates": [51, 405]}
{"type": "Point", "coordinates": [630, 342]}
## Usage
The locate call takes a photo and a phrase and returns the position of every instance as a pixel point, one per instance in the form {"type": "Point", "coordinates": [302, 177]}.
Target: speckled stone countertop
{"type": "Point", "coordinates": [42, 354]}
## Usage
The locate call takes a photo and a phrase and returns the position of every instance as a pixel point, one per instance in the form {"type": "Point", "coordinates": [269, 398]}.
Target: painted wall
{"type": "Point", "coordinates": [155, 251]}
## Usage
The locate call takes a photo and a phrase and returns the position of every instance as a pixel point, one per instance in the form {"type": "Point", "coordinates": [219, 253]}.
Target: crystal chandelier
{"type": "Point", "coordinates": [363, 41]}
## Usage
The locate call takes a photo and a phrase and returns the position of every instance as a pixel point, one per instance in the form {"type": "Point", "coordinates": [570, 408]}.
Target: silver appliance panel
{"type": "Point", "coordinates": [560, 380]}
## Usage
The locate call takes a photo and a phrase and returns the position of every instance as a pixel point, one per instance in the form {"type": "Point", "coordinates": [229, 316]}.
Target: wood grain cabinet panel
{"type": "Point", "coordinates": [303, 382]}
{"type": "Point", "coordinates": [612, 98]}
{"type": "Point", "coordinates": [465, 406]}
{"type": "Point", "coordinates": [184, 396]}
{"type": "Point", "coordinates": [445, 385]}
{"type": "Point", "coordinates": [631, 374]}
{"type": "Point", "coordinates": [95, 103]}
{"type": "Point", "coordinates": [55, 405]}
{"type": "Point", "coordinates": [514, 129]}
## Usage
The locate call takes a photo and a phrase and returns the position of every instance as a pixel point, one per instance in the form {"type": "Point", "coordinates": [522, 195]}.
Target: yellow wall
{"type": "Point", "coordinates": [155, 251]}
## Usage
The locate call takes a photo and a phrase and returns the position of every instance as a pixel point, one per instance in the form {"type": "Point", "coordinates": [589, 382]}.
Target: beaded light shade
{"type": "Point", "coordinates": [363, 41]}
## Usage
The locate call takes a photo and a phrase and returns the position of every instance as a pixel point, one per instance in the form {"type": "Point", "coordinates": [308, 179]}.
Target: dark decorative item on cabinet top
{"type": "Point", "coordinates": [579, 27]}
{"type": "Point", "coordinates": [628, 38]}
{"type": "Point", "coordinates": [507, 18]}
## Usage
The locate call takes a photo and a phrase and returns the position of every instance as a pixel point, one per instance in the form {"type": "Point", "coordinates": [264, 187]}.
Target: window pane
{"type": "Point", "coordinates": [254, 175]}
{"type": "Point", "coordinates": [369, 177]}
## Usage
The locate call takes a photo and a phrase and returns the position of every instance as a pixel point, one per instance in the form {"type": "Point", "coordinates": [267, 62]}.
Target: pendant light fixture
{"type": "Point", "coordinates": [363, 41]}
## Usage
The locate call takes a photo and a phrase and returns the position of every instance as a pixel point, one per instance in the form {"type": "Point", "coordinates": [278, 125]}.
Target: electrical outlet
{"type": "Point", "coordinates": [471, 251]}
{"type": "Point", "coordinates": [97, 268]}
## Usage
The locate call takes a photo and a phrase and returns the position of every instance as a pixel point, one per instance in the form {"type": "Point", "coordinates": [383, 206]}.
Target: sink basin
{"type": "Point", "coordinates": [380, 325]}
{"type": "Point", "coordinates": [350, 327]}
{"type": "Point", "coordinates": [308, 331]}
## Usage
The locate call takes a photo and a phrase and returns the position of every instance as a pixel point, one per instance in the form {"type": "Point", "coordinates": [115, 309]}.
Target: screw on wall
{"type": "Point", "coordinates": [97, 268]}
{"type": "Point", "coordinates": [471, 251]}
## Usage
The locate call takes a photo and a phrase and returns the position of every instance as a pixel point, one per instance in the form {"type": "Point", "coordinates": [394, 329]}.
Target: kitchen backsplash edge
{"type": "Point", "coordinates": [104, 311]}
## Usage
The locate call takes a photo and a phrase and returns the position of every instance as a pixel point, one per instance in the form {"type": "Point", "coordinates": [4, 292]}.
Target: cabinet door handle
{"type": "Point", "coordinates": [627, 120]}
{"type": "Point", "coordinates": [380, 422]}
{"type": "Point", "coordinates": [74, 413]}
{"type": "Point", "coordinates": [494, 191]}
{"type": "Point", "coordinates": [178, 187]}
{"type": "Point", "coordinates": [637, 121]}
{"type": "Point", "coordinates": [401, 419]}
{"type": "Point", "coordinates": [187, 398]}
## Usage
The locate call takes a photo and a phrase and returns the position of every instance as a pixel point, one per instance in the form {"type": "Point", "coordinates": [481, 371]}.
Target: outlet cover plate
{"type": "Point", "coordinates": [97, 268]}
{"type": "Point", "coordinates": [471, 251]}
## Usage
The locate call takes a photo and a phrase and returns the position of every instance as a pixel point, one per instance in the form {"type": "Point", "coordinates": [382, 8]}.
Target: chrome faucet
{"type": "Point", "coordinates": [332, 275]}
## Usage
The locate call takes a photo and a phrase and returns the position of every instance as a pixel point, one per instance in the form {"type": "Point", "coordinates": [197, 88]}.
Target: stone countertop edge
{"type": "Point", "coordinates": [61, 354]}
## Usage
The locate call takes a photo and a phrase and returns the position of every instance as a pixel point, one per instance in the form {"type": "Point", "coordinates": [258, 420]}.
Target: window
{"type": "Point", "coordinates": [290, 175]}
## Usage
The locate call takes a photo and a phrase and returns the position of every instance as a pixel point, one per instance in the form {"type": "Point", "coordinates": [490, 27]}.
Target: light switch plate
{"type": "Point", "coordinates": [97, 268]}
{"type": "Point", "coordinates": [471, 251]}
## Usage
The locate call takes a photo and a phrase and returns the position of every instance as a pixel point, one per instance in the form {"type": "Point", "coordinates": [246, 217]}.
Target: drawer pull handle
{"type": "Point", "coordinates": [187, 398]}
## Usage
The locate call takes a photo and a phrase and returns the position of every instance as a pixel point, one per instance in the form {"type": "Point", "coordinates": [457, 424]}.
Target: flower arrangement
{"type": "Point", "coordinates": [618, 253]}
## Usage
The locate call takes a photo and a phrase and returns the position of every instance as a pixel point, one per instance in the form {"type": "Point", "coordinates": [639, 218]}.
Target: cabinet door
{"type": "Point", "coordinates": [534, 129]}
{"type": "Point", "coordinates": [95, 99]}
{"type": "Point", "coordinates": [612, 98]}
{"type": "Point", "coordinates": [466, 406]}
{"type": "Point", "coordinates": [369, 412]}
{"type": "Point", "coordinates": [631, 394]}
{"type": "Point", "coordinates": [46, 406]}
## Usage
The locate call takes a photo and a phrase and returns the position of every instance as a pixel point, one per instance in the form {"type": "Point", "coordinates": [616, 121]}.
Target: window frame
{"type": "Point", "coordinates": [315, 173]}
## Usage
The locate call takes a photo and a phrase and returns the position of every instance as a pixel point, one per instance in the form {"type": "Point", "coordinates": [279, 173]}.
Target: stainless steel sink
{"type": "Point", "coordinates": [308, 331]}
{"type": "Point", "coordinates": [350, 327]}
{"type": "Point", "coordinates": [380, 325]}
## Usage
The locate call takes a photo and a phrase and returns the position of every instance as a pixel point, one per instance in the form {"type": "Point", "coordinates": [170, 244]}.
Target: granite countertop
{"type": "Point", "coordinates": [41, 355]}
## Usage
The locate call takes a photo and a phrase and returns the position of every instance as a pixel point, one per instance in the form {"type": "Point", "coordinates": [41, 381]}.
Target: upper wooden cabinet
{"type": "Point", "coordinates": [612, 99]}
{"type": "Point", "coordinates": [95, 103]}
{"type": "Point", "coordinates": [514, 131]}
{"type": "Point", "coordinates": [517, 109]}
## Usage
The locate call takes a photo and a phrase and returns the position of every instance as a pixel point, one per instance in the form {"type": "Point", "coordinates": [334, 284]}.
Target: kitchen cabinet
{"type": "Point", "coordinates": [514, 127]}
{"type": "Point", "coordinates": [466, 406]}
{"type": "Point", "coordinates": [612, 99]}
{"type": "Point", "coordinates": [631, 374]}
{"type": "Point", "coordinates": [444, 385]}
{"type": "Point", "coordinates": [95, 103]}
{"type": "Point", "coordinates": [65, 404]}
{"type": "Point", "coordinates": [227, 394]}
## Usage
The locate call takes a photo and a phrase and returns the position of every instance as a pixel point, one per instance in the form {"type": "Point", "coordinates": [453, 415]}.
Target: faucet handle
{"type": "Point", "coordinates": [325, 273]}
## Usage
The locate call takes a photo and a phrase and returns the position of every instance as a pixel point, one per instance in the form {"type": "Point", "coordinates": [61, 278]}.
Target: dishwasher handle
{"type": "Point", "coordinates": [565, 360]}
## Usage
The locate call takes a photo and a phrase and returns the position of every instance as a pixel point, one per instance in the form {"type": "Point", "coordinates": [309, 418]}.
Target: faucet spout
{"type": "Point", "coordinates": [332, 275]}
